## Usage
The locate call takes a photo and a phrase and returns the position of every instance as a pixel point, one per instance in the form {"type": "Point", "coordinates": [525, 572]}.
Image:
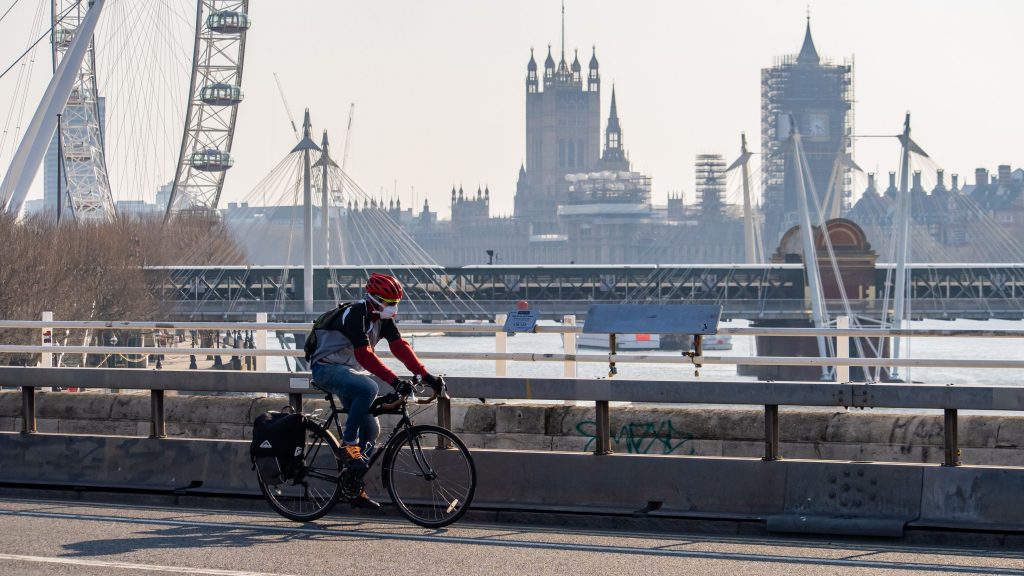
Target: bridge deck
{"type": "Point", "coordinates": [154, 536]}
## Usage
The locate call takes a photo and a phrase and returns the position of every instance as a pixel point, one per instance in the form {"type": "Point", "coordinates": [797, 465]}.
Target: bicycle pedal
{"type": "Point", "coordinates": [365, 502]}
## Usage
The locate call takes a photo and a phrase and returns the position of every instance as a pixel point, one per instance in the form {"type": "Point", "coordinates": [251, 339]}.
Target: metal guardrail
{"type": "Point", "coordinates": [770, 395]}
{"type": "Point", "coordinates": [685, 360]}
{"type": "Point", "coordinates": [974, 308]}
{"type": "Point", "coordinates": [494, 328]}
{"type": "Point", "coordinates": [500, 356]}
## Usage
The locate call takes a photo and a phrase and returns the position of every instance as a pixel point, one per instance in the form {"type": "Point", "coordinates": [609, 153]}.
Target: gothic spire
{"type": "Point", "coordinates": [614, 156]}
{"type": "Point", "coordinates": [613, 112]}
{"type": "Point", "coordinates": [808, 54]}
{"type": "Point", "coordinates": [593, 77]}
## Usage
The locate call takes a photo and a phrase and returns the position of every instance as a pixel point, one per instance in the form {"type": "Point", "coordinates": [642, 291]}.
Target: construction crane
{"type": "Point", "coordinates": [348, 135]}
{"type": "Point", "coordinates": [344, 154]}
{"type": "Point", "coordinates": [288, 109]}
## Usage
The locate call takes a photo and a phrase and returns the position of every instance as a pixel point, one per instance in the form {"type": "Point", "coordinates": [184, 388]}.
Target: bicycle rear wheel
{"type": "Point", "coordinates": [430, 475]}
{"type": "Point", "coordinates": [314, 489]}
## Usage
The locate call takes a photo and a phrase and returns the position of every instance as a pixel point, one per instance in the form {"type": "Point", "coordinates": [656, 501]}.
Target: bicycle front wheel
{"type": "Point", "coordinates": [430, 475]}
{"type": "Point", "coordinates": [313, 489]}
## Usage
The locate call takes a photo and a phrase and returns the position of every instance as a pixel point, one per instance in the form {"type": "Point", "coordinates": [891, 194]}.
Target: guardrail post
{"type": "Point", "coordinates": [260, 342]}
{"type": "Point", "coordinates": [842, 350]}
{"type": "Point", "coordinates": [771, 432]}
{"type": "Point", "coordinates": [500, 346]}
{"type": "Point", "coordinates": [28, 410]}
{"type": "Point", "coordinates": [295, 401]}
{"type": "Point", "coordinates": [569, 347]}
{"type": "Point", "coordinates": [46, 339]}
{"type": "Point", "coordinates": [444, 420]}
{"type": "Point", "coordinates": [612, 370]}
{"type": "Point", "coordinates": [951, 438]}
{"type": "Point", "coordinates": [603, 441]}
{"type": "Point", "coordinates": [157, 423]}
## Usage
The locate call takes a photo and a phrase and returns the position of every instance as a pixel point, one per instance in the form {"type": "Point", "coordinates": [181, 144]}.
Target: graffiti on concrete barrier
{"type": "Point", "coordinates": [641, 438]}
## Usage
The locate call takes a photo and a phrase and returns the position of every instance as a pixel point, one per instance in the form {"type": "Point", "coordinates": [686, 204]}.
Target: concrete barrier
{"type": "Point", "coordinates": [789, 495]}
{"type": "Point", "coordinates": [811, 433]}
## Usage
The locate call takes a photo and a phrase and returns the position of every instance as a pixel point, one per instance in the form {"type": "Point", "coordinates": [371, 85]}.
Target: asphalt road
{"type": "Point", "coordinates": [72, 537]}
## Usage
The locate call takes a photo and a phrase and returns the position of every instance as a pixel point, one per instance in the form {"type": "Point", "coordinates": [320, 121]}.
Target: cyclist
{"type": "Point", "coordinates": [344, 359]}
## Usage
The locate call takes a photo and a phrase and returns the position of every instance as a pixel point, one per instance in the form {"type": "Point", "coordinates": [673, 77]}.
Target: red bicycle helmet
{"type": "Point", "coordinates": [385, 287]}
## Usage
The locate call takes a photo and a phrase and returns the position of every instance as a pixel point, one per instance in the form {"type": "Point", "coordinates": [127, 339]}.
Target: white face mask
{"type": "Point", "coordinates": [389, 312]}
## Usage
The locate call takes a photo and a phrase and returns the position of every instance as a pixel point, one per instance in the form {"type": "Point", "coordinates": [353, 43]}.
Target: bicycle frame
{"type": "Point", "coordinates": [404, 424]}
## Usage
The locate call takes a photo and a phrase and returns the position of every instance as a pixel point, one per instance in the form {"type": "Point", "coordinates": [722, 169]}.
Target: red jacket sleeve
{"type": "Point", "coordinates": [367, 359]}
{"type": "Point", "coordinates": [401, 349]}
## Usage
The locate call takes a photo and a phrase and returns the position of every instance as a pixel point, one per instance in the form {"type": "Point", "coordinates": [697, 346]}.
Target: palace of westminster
{"type": "Point", "coordinates": [578, 200]}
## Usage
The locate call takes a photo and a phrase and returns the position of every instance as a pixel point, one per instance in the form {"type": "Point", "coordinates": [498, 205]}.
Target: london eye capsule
{"type": "Point", "coordinates": [62, 37]}
{"type": "Point", "coordinates": [77, 150]}
{"type": "Point", "coordinates": [210, 160]}
{"type": "Point", "coordinates": [228, 22]}
{"type": "Point", "coordinates": [221, 94]}
{"type": "Point", "coordinates": [75, 98]}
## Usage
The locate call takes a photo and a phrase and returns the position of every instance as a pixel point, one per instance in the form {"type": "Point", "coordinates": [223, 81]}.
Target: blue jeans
{"type": "Point", "coordinates": [357, 391]}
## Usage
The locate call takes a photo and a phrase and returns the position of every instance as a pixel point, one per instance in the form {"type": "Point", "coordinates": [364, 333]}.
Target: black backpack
{"type": "Point", "coordinates": [277, 443]}
{"type": "Point", "coordinates": [325, 320]}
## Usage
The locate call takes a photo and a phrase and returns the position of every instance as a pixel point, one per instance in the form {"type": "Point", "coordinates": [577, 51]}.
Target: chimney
{"type": "Point", "coordinates": [955, 179]}
{"type": "Point", "coordinates": [892, 180]}
{"type": "Point", "coordinates": [940, 178]}
{"type": "Point", "coordinates": [871, 180]}
{"type": "Point", "coordinates": [917, 179]}
{"type": "Point", "coordinates": [980, 177]}
{"type": "Point", "coordinates": [1004, 174]}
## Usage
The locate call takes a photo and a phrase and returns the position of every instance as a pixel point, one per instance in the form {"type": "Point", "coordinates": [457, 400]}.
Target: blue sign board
{"type": "Point", "coordinates": [653, 319]}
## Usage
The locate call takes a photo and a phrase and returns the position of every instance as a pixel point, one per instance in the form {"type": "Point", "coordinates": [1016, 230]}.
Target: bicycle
{"type": "Point", "coordinates": [427, 470]}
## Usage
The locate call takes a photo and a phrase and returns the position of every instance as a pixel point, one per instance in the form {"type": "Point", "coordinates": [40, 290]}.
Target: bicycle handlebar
{"type": "Point", "coordinates": [397, 402]}
{"type": "Point", "coordinates": [418, 383]}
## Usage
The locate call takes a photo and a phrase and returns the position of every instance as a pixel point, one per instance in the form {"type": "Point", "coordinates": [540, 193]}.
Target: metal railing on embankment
{"type": "Point", "coordinates": [840, 362]}
{"type": "Point", "coordinates": [978, 308]}
{"type": "Point", "coordinates": [769, 395]}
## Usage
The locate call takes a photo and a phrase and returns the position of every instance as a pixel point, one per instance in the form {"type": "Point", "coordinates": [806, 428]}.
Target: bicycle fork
{"type": "Point", "coordinates": [427, 472]}
{"type": "Point", "coordinates": [417, 455]}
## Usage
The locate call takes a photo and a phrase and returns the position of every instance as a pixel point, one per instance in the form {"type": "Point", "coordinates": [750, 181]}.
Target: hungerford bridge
{"type": "Point", "coordinates": [746, 291]}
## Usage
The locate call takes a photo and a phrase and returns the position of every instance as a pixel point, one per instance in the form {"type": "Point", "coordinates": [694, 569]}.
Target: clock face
{"type": "Point", "coordinates": [817, 125]}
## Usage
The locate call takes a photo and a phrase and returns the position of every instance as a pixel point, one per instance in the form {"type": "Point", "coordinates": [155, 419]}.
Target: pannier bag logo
{"type": "Point", "coordinates": [266, 444]}
{"type": "Point", "coordinates": [298, 451]}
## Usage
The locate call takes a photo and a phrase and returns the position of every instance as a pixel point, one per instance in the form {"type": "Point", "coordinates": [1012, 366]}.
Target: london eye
{"type": "Point", "coordinates": [152, 107]}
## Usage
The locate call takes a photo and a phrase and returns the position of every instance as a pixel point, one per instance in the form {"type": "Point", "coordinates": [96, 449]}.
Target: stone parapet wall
{"type": "Point", "coordinates": [830, 434]}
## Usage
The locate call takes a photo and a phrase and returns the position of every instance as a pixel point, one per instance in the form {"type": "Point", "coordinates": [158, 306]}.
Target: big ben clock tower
{"type": "Point", "coordinates": [818, 96]}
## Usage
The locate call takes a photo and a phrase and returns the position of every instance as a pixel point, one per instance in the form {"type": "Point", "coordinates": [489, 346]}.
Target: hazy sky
{"type": "Point", "coordinates": [440, 99]}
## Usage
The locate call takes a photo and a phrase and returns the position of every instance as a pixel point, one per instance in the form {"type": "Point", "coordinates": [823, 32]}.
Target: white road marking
{"type": "Point", "coordinates": [130, 566]}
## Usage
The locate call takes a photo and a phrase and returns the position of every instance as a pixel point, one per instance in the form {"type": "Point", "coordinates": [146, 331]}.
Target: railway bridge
{"type": "Point", "coordinates": [747, 291]}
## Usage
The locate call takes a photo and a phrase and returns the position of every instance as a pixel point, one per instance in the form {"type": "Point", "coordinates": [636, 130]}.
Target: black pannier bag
{"type": "Point", "coordinates": [277, 442]}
